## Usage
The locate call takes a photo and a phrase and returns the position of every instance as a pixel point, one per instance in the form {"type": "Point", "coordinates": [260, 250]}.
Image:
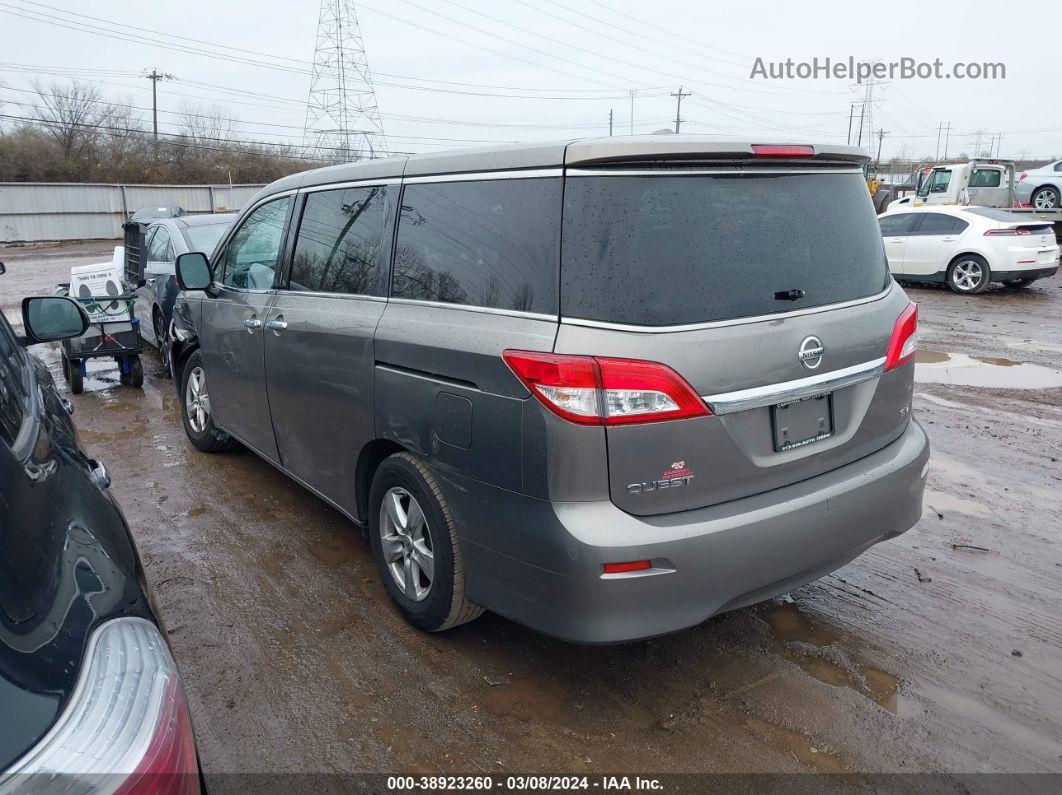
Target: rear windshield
{"type": "Point", "coordinates": [667, 250]}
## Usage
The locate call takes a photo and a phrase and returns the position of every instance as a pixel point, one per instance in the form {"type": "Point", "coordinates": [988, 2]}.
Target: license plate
{"type": "Point", "coordinates": [802, 422]}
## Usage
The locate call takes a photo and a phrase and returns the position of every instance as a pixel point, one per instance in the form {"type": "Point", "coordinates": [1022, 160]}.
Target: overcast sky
{"type": "Point", "coordinates": [561, 65]}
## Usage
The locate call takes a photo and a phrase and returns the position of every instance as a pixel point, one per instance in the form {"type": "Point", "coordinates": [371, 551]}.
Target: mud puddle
{"type": "Point", "coordinates": [958, 369]}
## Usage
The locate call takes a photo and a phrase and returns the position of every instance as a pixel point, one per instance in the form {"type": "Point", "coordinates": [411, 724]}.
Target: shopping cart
{"type": "Point", "coordinates": [118, 339]}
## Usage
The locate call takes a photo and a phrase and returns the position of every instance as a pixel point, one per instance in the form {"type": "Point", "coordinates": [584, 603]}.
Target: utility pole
{"type": "Point", "coordinates": [936, 152]}
{"type": "Point", "coordinates": [947, 138]}
{"type": "Point", "coordinates": [851, 115]}
{"type": "Point", "coordinates": [633, 90]}
{"type": "Point", "coordinates": [999, 140]}
{"type": "Point", "coordinates": [881, 134]}
{"type": "Point", "coordinates": [678, 107]}
{"type": "Point", "coordinates": [862, 112]}
{"type": "Point", "coordinates": [610, 122]}
{"type": "Point", "coordinates": [977, 143]}
{"type": "Point", "coordinates": [155, 76]}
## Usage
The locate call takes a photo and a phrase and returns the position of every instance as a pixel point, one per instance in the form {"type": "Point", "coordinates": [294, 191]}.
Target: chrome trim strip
{"type": "Point", "coordinates": [287, 291]}
{"type": "Point", "coordinates": [757, 397]}
{"type": "Point", "coordinates": [486, 310]}
{"type": "Point", "coordinates": [478, 176]}
{"type": "Point", "coordinates": [357, 183]}
{"type": "Point", "coordinates": [679, 172]}
{"type": "Point", "coordinates": [737, 321]}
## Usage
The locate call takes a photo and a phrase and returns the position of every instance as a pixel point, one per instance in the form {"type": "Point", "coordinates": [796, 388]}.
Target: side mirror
{"type": "Point", "coordinates": [51, 318]}
{"type": "Point", "coordinates": [193, 271]}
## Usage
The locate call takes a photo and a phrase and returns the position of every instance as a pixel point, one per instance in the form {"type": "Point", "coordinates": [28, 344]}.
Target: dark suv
{"type": "Point", "coordinates": [89, 693]}
{"type": "Point", "coordinates": [607, 388]}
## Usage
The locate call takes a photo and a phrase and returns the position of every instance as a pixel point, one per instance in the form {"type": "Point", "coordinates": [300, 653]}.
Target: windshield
{"type": "Point", "coordinates": [667, 250]}
{"type": "Point", "coordinates": [204, 238]}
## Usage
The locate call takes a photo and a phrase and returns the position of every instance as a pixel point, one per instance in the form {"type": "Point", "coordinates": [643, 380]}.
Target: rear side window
{"type": "Point", "coordinates": [13, 394]}
{"type": "Point", "coordinates": [160, 249]}
{"type": "Point", "coordinates": [486, 243]}
{"type": "Point", "coordinates": [940, 224]}
{"type": "Point", "coordinates": [342, 246]}
{"type": "Point", "coordinates": [666, 250]}
{"type": "Point", "coordinates": [986, 178]}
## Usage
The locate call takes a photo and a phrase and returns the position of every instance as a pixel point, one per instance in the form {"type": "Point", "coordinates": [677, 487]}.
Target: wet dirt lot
{"type": "Point", "coordinates": [938, 651]}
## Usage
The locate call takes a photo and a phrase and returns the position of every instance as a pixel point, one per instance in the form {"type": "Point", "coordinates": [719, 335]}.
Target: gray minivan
{"type": "Point", "coordinates": [607, 388]}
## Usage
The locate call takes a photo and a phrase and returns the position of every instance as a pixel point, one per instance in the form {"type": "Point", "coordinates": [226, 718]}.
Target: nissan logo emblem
{"type": "Point", "coordinates": [810, 352]}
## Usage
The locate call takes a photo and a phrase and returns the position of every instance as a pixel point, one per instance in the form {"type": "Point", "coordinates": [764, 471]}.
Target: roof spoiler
{"type": "Point", "coordinates": [671, 148]}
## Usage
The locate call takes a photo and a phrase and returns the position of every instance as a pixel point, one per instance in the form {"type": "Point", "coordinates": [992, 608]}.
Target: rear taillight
{"type": "Point", "coordinates": [602, 391]}
{"type": "Point", "coordinates": [1024, 174]}
{"type": "Point", "coordinates": [770, 150]}
{"type": "Point", "coordinates": [1009, 231]}
{"type": "Point", "coordinates": [126, 728]}
{"type": "Point", "coordinates": [904, 339]}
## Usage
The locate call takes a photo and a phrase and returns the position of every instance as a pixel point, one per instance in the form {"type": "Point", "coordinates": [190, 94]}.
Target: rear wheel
{"type": "Point", "coordinates": [415, 546]}
{"type": "Point", "coordinates": [195, 409]}
{"type": "Point", "coordinates": [969, 274]}
{"type": "Point", "coordinates": [1047, 198]}
{"type": "Point", "coordinates": [136, 372]}
{"type": "Point", "coordinates": [77, 381]}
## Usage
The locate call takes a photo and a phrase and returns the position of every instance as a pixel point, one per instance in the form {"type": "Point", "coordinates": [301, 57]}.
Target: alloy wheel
{"type": "Point", "coordinates": [197, 400]}
{"type": "Point", "coordinates": [1045, 200]}
{"type": "Point", "coordinates": [406, 543]}
{"type": "Point", "coordinates": [968, 275]}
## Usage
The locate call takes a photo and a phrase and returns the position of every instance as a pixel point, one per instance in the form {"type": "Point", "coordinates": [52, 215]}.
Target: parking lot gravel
{"type": "Point", "coordinates": [938, 651]}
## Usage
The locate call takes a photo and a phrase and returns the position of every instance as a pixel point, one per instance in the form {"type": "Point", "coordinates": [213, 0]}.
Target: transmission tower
{"type": "Point", "coordinates": [342, 117]}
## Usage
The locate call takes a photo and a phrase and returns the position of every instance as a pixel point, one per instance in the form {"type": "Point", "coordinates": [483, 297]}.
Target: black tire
{"type": "Point", "coordinates": [161, 342]}
{"type": "Point", "coordinates": [210, 438]}
{"type": "Point", "coordinates": [66, 367]}
{"type": "Point", "coordinates": [77, 381]}
{"type": "Point", "coordinates": [444, 606]}
{"type": "Point", "coordinates": [960, 270]}
{"type": "Point", "coordinates": [1048, 196]}
{"type": "Point", "coordinates": [136, 373]}
{"type": "Point", "coordinates": [1017, 283]}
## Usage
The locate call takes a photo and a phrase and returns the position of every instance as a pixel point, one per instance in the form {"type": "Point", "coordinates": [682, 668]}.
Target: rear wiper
{"type": "Point", "coordinates": [789, 295]}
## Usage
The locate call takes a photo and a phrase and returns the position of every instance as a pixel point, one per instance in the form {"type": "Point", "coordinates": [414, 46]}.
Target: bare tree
{"type": "Point", "coordinates": [72, 114]}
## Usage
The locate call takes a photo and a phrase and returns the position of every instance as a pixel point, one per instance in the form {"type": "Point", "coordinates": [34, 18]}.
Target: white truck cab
{"type": "Point", "coordinates": [983, 183]}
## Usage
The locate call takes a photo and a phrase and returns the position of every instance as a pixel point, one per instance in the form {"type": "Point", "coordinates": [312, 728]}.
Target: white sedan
{"type": "Point", "coordinates": [967, 248]}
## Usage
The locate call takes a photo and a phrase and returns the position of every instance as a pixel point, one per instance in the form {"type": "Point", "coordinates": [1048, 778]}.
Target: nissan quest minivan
{"type": "Point", "coordinates": [605, 388]}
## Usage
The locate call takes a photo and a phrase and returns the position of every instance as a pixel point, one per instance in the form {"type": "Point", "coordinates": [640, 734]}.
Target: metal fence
{"type": "Point", "coordinates": [32, 211]}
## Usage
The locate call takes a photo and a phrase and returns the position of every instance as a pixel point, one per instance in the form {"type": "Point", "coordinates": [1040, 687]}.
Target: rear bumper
{"type": "Point", "coordinates": [540, 563]}
{"type": "Point", "coordinates": [1025, 273]}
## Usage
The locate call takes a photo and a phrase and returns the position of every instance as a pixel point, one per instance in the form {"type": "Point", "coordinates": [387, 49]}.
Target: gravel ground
{"type": "Point", "coordinates": [937, 651]}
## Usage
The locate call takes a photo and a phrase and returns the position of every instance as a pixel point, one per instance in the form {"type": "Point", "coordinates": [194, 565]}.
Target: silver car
{"type": "Point", "coordinates": [1041, 187]}
{"type": "Point", "coordinates": [606, 388]}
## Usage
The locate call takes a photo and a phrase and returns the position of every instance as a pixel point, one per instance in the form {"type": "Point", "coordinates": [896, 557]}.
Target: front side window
{"type": "Point", "coordinates": [250, 259]}
{"type": "Point", "coordinates": [898, 225]}
{"type": "Point", "coordinates": [342, 246]}
{"type": "Point", "coordinates": [13, 395]}
{"type": "Point", "coordinates": [939, 181]}
{"type": "Point", "coordinates": [160, 249]}
{"type": "Point", "coordinates": [490, 243]}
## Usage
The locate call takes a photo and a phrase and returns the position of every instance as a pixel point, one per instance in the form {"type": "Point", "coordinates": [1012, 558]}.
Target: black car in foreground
{"type": "Point", "coordinates": [90, 696]}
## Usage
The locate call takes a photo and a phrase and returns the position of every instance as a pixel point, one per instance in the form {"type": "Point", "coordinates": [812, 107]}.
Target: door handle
{"type": "Point", "coordinates": [948, 240]}
{"type": "Point", "coordinates": [276, 325]}
{"type": "Point", "coordinates": [252, 323]}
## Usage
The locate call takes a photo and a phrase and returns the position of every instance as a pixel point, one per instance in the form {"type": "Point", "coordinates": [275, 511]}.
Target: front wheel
{"type": "Point", "coordinates": [415, 546]}
{"type": "Point", "coordinates": [195, 409]}
{"type": "Point", "coordinates": [969, 274]}
{"type": "Point", "coordinates": [162, 342]}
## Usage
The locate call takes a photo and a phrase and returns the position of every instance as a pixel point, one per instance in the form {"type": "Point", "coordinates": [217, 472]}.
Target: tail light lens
{"type": "Point", "coordinates": [904, 340]}
{"type": "Point", "coordinates": [1014, 230]}
{"type": "Point", "coordinates": [126, 728]}
{"type": "Point", "coordinates": [602, 391]}
{"type": "Point", "coordinates": [1024, 174]}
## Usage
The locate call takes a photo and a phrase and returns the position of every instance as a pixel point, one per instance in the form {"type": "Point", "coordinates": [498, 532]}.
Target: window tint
{"type": "Point", "coordinates": [251, 255]}
{"type": "Point", "coordinates": [342, 247]}
{"type": "Point", "coordinates": [160, 249]}
{"type": "Point", "coordinates": [938, 224]}
{"type": "Point", "coordinates": [491, 243]}
{"type": "Point", "coordinates": [897, 225]}
{"type": "Point", "coordinates": [12, 385]}
{"type": "Point", "coordinates": [986, 178]}
{"type": "Point", "coordinates": [669, 249]}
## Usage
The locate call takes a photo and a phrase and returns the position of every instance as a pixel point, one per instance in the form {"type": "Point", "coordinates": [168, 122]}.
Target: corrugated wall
{"type": "Point", "coordinates": [31, 211]}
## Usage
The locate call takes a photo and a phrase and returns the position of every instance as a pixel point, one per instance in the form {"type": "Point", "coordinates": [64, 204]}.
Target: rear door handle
{"type": "Point", "coordinates": [949, 240]}
{"type": "Point", "coordinates": [252, 323]}
{"type": "Point", "coordinates": [276, 325]}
